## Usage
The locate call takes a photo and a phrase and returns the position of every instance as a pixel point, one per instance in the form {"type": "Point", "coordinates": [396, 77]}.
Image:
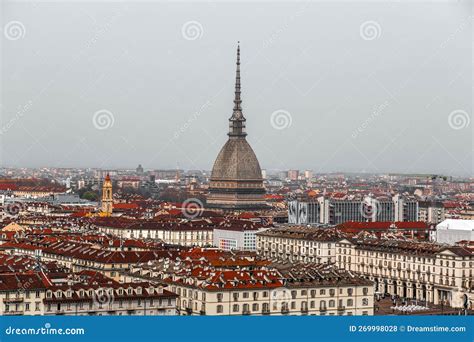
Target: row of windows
{"type": "Point", "coordinates": [27, 294]}
{"type": "Point", "coordinates": [284, 306]}
{"type": "Point", "coordinates": [16, 307]}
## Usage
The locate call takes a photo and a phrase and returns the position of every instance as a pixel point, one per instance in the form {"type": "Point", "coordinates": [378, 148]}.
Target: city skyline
{"type": "Point", "coordinates": [391, 115]}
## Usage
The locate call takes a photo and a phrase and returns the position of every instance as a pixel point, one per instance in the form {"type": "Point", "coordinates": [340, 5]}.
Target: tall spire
{"type": "Point", "coordinates": [237, 100]}
{"type": "Point", "coordinates": [237, 120]}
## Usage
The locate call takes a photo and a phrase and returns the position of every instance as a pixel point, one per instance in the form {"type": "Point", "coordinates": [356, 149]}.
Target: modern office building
{"type": "Point", "coordinates": [336, 211]}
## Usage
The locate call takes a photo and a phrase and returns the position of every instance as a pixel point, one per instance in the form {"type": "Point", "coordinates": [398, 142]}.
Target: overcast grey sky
{"type": "Point", "coordinates": [352, 86]}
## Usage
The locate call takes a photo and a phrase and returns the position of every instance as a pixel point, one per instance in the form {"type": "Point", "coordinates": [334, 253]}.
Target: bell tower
{"type": "Point", "coordinates": [107, 200]}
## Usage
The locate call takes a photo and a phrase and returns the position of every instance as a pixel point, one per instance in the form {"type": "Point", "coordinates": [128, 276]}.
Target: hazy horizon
{"type": "Point", "coordinates": [329, 87]}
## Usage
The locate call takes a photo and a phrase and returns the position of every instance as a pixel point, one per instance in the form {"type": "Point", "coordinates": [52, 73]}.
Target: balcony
{"type": "Point", "coordinates": [246, 312]}
{"type": "Point", "coordinates": [13, 300]}
{"type": "Point", "coordinates": [265, 312]}
{"type": "Point", "coordinates": [304, 311]}
{"type": "Point", "coordinates": [202, 313]}
{"type": "Point", "coordinates": [285, 311]}
{"type": "Point", "coordinates": [341, 308]}
{"type": "Point", "coordinates": [13, 313]}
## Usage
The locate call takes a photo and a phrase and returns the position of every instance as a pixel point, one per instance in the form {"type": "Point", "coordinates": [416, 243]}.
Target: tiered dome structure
{"type": "Point", "coordinates": [236, 179]}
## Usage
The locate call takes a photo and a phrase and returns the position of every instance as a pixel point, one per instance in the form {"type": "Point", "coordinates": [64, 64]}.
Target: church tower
{"type": "Point", "coordinates": [107, 200]}
{"type": "Point", "coordinates": [236, 182]}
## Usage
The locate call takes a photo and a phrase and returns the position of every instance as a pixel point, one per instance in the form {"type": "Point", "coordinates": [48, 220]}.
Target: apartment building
{"type": "Point", "coordinates": [240, 237]}
{"type": "Point", "coordinates": [79, 256]}
{"type": "Point", "coordinates": [299, 244]}
{"type": "Point", "coordinates": [425, 271]}
{"type": "Point", "coordinates": [21, 294]}
{"type": "Point", "coordinates": [431, 212]}
{"type": "Point", "coordinates": [177, 233]}
{"type": "Point", "coordinates": [43, 291]}
{"type": "Point", "coordinates": [219, 283]}
{"type": "Point", "coordinates": [132, 299]}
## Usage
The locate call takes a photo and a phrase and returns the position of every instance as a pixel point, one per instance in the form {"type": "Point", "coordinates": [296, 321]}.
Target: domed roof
{"type": "Point", "coordinates": [236, 161]}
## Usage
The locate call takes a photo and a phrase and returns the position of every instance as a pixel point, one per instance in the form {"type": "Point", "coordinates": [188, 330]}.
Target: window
{"type": "Point", "coordinates": [365, 301]}
{"type": "Point", "coordinates": [350, 302]}
{"type": "Point", "coordinates": [332, 303]}
{"type": "Point", "coordinates": [365, 291]}
{"type": "Point", "coordinates": [255, 307]}
{"type": "Point", "coordinates": [312, 304]}
{"type": "Point", "coordinates": [349, 292]}
{"type": "Point", "coordinates": [322, 292]}
{"type": "Point", "coordinates": [235, 308]}
{"type": "Point", "coordinates": [313, 293]}
{"type": "Point", "coordinates": [219, 297]}
{"type": "Point", "coordinates": [322, 305]}
{"type": "Point", "coordinates": [220, 309]}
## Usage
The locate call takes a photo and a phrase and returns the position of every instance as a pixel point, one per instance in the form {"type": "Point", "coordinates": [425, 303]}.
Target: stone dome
{"type": "Point", "coordinates": [236, 161]}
